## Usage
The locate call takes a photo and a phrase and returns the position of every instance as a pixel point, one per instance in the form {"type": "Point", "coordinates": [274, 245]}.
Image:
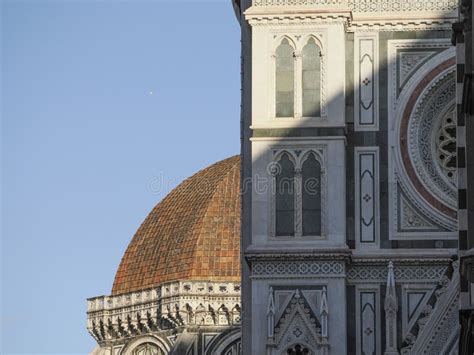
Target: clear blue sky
{"type": "Point", "coordinates": [99, 100]}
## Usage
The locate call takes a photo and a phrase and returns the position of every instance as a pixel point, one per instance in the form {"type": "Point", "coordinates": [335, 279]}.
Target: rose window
{"type": "Point", "coordinates": [430, 133]}
{"type": "Point", "coordinates": [445, 145]}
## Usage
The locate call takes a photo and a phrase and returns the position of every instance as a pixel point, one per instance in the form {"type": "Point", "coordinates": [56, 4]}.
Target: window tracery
{"type": "Point", "coordinates": [446, 146]}
{"type": "Point", "coordinates": [285, 202]}
{"type": "Point", "coordinates": [298, 194]}
{"type": "Point", "coordinates": [311, 196]}
{"type": "Point", "coordinates": [299, 78]}
{"type": "Point", "coordinates": [311, 79]}
{"type": "Point", "coordinates": [284, 79]}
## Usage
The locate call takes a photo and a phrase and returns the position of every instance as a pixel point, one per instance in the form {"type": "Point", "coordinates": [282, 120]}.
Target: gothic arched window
{"type": "Point", "coordinates": [284, 80]}
{"type": "Point", "coordinates": [311, 196]}
{"type": "Point", "coordinates": [285, 201]}
{"type": "Point", "coordinates": [311, 79]}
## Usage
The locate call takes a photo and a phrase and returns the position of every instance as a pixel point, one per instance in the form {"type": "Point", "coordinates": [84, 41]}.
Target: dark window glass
{"type": "Point", "coordinates": [311, 193]}
{"type": "Point", "coordinates": [284, 80]}
{"type": "Point", "coordinates": [285, 201]}
{"type": "Point", "coordinates": [297, 350]}
{"type": "Point", "coordinates": [311, 79]}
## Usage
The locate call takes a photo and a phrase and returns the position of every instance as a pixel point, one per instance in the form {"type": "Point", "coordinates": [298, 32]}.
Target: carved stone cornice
{"type": "Point", "coordinates": [302, 19]}
{"type": "Point", "coordinates": [400, 24]}
{"type": "Point", "coordinates": [288, 249]}
{"type": "Point", "coordinates": [356, 15]}
{"type": "Point", "coordinates": [391, 15]}
{"type": "Point", "coordinates": [364, 6]}
{"type": "Point", "coordinates": [333, 12]}
{"type": "Point", "coordinates": [113, 318]}
{"type": "Point", "coordinates": [294, 254]}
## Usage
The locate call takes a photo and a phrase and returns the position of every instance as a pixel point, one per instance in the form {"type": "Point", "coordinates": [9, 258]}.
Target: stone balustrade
{"type": "Point", "coordinates": [203, 303]}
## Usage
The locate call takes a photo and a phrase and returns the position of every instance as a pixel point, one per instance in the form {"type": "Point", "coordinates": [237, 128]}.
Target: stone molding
{"type": "Point", "coordinates": [363, 6]}
{"type": "Point", "coordinates": [388, 15]}
{"type": "Point", "coordinates": [405, 270]}
{"type": "Point", "coordinates": [279, 269]}
{"type": "Point", "coordinates": [321, 254]}
{"type": "Point", "coordinates": [299, 16]}
{"type": "Point", "coordinates": [428, 270]}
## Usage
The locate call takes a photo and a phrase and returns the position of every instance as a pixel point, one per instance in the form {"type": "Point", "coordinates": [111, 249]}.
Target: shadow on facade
{"type": "Point", "coordinates": [261, 145]}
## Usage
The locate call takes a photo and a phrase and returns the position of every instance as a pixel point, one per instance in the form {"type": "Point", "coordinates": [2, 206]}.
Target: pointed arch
{"type": "Point", "coordinates": [311, 195]}
{"type": "Point", "coordinates": [284, 78]}
{"type": "Point", "coordinates": [317, 154]}
{"type": "Point", "coordinates": [311, 78]}
{"type": "Point", "coordinates": [298, 325]}
{"type": "Point", "coordinates": [278, 154]}
{"type": "Point", "coordinates": [316, 37]}
{"type": "Point", "coordinates": [284, 195]}
{"type": "Point", "coordinates": [279, 39]}
{"type": "Point", "coordinates": [227, 342]}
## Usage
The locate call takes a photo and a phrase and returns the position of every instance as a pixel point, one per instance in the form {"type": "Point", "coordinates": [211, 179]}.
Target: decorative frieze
{"type": "Point", "coordinates": [414, 271]}
{"type": "Point", "coordinates": [282, 3]}
{"type": "Point", "coordinates": [355, 15]}
{"type": "Point", "coordinates": [168, 306]}
{"type": "Point", "coordinates": [303, 268]}
{"type": "Point", "coordinates": [366, 6]}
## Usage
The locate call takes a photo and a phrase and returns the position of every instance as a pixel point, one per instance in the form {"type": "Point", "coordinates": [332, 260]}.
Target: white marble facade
{"type": "Point", "coordinates": [387, 183]}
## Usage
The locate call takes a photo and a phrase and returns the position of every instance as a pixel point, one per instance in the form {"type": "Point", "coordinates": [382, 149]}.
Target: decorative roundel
{"type": "Point", "coordinates": [429, 155]}
{"type": "Point", "coordinates": [428, 138]}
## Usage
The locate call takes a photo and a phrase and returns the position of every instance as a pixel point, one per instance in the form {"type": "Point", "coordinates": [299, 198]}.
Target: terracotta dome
{"type": "Point", "coordinates": [192, 234]}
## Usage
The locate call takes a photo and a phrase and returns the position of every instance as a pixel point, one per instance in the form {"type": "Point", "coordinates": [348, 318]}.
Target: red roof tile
{"type": "Point", "coordinates": [193, 233]}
